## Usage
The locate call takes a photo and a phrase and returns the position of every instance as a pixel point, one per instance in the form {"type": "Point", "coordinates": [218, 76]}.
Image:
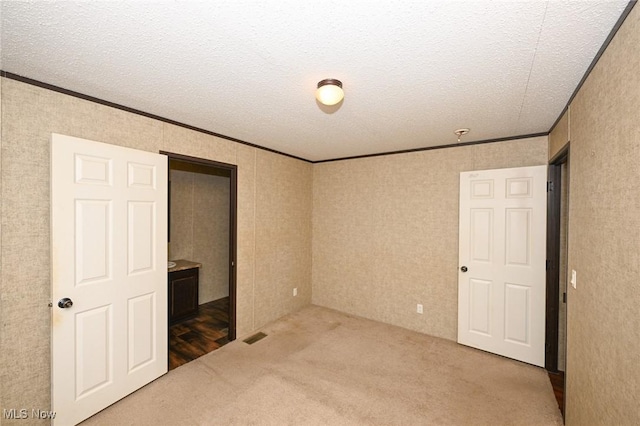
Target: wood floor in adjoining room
{"type": "Point", "coordinates": [557, 382]}
{"type": "Point", "coordinates": [201, 334]}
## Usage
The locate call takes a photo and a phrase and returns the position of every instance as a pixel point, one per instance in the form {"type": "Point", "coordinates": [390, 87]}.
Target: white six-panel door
{"type": "Point", "coordinates": [109, 257]}
{"type": "Point", "coordinates": [501, 296]}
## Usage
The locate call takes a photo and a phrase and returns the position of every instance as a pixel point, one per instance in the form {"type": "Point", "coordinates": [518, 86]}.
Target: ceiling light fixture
{"type": "Point", "coordinates": [329, 91]}
{"type": "Point", "coordinates": [461, 132]}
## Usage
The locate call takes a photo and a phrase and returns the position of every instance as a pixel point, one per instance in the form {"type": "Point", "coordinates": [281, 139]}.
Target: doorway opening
{"type": "Point", "coordinates": [557, 273]}
{"type": "Point", "coordinates": [202, 257]}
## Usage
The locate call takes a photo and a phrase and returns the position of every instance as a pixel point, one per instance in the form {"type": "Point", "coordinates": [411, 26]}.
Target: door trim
{"type": "Point", "coordinates": [553, 258]}
{"type": "Point", "coordinates": [233, 228]}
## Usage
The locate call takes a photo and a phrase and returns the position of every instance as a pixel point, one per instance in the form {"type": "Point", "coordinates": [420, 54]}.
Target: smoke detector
{"type": "Point", "coordinates": [461, 132]}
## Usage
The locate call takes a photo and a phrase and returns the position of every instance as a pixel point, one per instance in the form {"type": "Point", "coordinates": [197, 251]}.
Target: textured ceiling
{"type": "Point", "coordinates": [413, 71]}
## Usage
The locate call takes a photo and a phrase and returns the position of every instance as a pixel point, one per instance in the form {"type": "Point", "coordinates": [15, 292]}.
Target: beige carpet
{"type": "Point", "coordinates": [319, 366]}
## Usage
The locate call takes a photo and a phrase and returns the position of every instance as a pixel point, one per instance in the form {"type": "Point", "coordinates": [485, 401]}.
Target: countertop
{"type": "Point", "coordinates": [182, 265]}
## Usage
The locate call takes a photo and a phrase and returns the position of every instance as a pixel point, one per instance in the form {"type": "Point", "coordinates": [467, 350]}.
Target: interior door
{"type": "Point", "coordinates": [109, 273]}
{"type": "Point", "coordinates": [501, 280]}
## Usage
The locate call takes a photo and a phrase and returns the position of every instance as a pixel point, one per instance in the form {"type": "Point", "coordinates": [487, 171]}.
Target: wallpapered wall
{"type": "Point", "coordinates": [268, 261]}
{"type": "Point", "coordinates": [603, 335]}
{"type": "Point", "coordinates": [385, 231]}
{"type": "Point", "coordinates": [200, 228]}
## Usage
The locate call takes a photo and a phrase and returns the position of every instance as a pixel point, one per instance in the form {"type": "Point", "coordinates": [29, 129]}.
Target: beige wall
{"type": "Point", "coordinates": [265, 196]}
{"type": "Point", "coordinates": [200, 228]}
{"type": "Point", "coordinates": [559, 136]}
{"type": "Point", "coordinates": [603, 348]}
{"type": "Point", "coordinates": [385, 231]}
{"type": "Point", "coordinates": [283, 235]}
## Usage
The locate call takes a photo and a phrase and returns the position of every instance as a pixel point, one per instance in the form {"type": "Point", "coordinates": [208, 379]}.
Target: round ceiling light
{"type": "Point", "coordinates": [329, 91]}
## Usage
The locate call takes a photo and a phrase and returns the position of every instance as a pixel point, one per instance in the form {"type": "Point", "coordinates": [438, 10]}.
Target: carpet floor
{"type": "Point", "coordinates": [322, 367]}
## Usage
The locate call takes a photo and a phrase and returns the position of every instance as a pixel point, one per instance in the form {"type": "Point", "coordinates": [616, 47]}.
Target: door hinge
{"type": "Point", "coordinates": [548, 265]}
{"type": "Point", "coordinates": [550, 186]}
{"type": "Point", "coordinates": [564, 297]}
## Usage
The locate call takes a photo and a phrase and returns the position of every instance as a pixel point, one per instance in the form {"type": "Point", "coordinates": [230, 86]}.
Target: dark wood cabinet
{"type": "Point", "coordinates": [183, 294]}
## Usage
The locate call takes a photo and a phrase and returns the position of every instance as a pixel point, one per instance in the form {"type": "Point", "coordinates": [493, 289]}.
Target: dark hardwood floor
{"type": "Point", "coordinates": [192, 338]}
{"type": "Point", "coordinates": [557, 381]}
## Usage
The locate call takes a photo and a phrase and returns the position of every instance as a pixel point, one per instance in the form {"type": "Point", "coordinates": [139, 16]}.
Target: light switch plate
{"type": "Point", "coordinates": [573, 278]}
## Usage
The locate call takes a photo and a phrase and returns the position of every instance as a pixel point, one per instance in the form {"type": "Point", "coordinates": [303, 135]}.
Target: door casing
{"type": "Point", "coordinates": [554, 247]}
{"type": "Point", "coordinates": [233, 231]}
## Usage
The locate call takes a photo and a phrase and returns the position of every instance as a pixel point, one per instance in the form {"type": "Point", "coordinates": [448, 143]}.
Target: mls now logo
{"type": "Point", "coordinates": [14, 413]}
{"type": "Point", "coordinates": [42, 414]}
{"type": "Point", "coordinates": [23, 413]}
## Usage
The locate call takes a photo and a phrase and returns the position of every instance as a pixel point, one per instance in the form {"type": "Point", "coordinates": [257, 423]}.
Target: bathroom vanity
{"type": "Point", "coordinates": [183, 290]}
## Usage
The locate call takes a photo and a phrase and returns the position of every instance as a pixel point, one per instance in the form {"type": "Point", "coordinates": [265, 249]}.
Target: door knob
{"type": "Point", "coordinates": [464, 269]}
{"type": "Point", "coordinates": [65, 303]}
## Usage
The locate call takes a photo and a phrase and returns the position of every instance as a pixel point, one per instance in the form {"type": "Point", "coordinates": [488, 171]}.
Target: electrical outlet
{"type": "Point", "coordinates": [295, 291]}
{"type": "Point", "coordinates": [574, 280]}
{"type": "Point", "coordinates": [419, 308]}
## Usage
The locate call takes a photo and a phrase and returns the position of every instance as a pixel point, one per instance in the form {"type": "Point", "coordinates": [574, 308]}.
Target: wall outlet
{"type": "Point", "coordinates": [419, 308]}
{"type": "Point", "coordinates": [295, 291]}
{"type": "Point", "coordinates": [574, 280]}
